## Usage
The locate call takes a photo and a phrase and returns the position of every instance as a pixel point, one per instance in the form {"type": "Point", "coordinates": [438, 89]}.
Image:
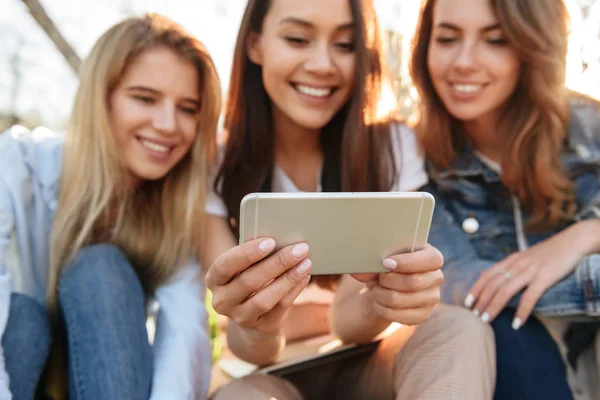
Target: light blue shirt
{"type": "Point", "coordinates": [30, 164]}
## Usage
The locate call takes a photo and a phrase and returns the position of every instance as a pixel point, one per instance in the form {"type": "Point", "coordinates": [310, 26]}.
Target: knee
{"type": "Point", "coordinates": [258, 387]}
{"type": "Point", "coordinates": [25, 311]}
{"type": "Point", "coordinates": [99, 270]}
{"type": "Point", "coordinates": [461, 325]}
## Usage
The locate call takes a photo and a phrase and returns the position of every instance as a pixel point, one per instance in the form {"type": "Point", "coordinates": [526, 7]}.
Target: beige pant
{"type": "Point", "coordinates": [450, 356]}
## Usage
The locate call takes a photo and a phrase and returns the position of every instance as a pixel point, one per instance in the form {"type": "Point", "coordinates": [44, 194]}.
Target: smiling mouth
{"type": "Point", "coordinates": [155, 147]}
{"type": "Point", "coordinates": [464, 88]}
{"type": "Point", "coordinates": [319, 93]}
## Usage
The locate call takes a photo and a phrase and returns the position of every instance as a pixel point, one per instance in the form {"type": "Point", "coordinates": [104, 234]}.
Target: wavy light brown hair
{"type": "Point", "coordinates": [535, 117]}
{"type": "Point", "coordinates": [156, 224]}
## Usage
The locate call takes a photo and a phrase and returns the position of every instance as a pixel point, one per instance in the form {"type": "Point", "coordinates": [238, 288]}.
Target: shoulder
{"type": "Point", "coordinates": [408, 156]}
{"type": "Point", "coordinates": [34, 155]}
{"type": "Point", "coordinates": [584, 120]}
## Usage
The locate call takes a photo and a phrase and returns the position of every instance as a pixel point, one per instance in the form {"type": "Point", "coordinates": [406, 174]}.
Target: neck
{"type": "Point", "coordinates": [484, 135]}
{"type": "Point", "coordinates": [294, 142]}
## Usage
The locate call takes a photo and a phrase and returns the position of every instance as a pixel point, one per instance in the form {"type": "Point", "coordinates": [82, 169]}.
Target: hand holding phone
{"type": "Point", "coordinates": [409, 292]}
{"type": "Point", "coordinates": [254, 285]}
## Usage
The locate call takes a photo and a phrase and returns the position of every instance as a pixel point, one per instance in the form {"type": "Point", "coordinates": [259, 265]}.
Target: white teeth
{"type": "Point", "coordinates": [155, 146]}
{"type": "Point", "coordinates": [313, 91]}
{"type": "Point", "coordinates": [467, 88]}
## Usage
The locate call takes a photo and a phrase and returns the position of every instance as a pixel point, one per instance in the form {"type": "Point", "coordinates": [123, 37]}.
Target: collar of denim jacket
{"type": "Point", "coordinates": [467, 164]}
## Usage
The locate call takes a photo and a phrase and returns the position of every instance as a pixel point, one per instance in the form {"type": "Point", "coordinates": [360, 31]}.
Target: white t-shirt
{"type": "Point", "coordinates": [411, 176]}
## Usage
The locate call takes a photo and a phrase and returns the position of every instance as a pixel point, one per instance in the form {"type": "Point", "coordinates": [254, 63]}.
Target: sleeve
{"type": "Point", "coordinates": [6, 229]}
{"type": "Point", "coordinates": [215, 205]}
{"type": "Point", "coordinates": [410, 162]}
{"type": "Point", "coordinates": [576, 294]}
{"type": "Point", "coordinates": [183, 354]}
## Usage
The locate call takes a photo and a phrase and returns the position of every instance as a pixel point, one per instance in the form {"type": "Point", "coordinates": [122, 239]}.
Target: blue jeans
{"type": "Point", "coordinates": [102, 303]}
{"type": "Point", "coordinates": [26, 342]}
{"type": "Point", "coordinates": [529, 365]}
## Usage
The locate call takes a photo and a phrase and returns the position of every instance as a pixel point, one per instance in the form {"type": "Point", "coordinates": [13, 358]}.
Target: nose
{"type": "Point", "coordinates": [164, 119]}
{"type": "Point", "coordinates": [320, 60]}
{"type": "Point", "coordinates": [466, 57]}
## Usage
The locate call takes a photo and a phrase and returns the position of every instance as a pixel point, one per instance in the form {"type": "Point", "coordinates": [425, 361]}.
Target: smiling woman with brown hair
{"type": "Point", "coordinates": [302, 115]}
{"type": "Point", "coordinates": [514, 162]}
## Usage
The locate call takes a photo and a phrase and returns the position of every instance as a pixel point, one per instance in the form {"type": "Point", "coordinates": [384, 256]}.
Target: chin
{"type": "Point", "coordinates": [465, 115]}
{"type": "Point", "coordinates": [151, 175]}
{"type": "Point", "coordinates": [312, 122]}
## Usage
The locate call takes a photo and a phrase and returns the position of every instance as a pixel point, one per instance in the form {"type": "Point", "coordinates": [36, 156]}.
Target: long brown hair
{"type": "Point", "coordinates": [357, 149]}
{"type": "Point", "coordinates": [356, 144]}
{"type": "Point", "coordinates": [534, 119]}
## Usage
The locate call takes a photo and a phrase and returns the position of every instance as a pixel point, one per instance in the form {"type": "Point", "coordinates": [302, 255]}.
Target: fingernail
{"type": "Point", "coordinates": [390, 264]}
{"type": "Point", "coordinates": [476, 313]}
{"type": "Point", "coordinates": [469, 300]}
{"type": "Point", "coordinates": [266, 245]}
{"type": "Point", "coordinates": [303, 267]}
{"type": "Point", "coordinates": [516, 324]}
{"type": "Point", "coordinates": [485, 317]}
{"type": "Point", "coordinates": [300, 250]}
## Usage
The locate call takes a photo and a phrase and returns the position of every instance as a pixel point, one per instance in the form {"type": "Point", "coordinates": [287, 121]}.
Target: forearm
{"type": "Point", "coordinates": [303, 321]}
{"type": "Point", "coordinates": [255, 350]}
{"type": "Point", "coordinates": [587, 235]}
{"type": "Point", "coordinates": [353, 319]}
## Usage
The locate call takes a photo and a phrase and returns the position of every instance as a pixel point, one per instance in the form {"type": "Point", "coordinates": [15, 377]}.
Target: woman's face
{"type": "Point", "coordinates": [154, 113]}
{"type": "Point", "coordinates": [306, 51]}
{"type": "Point", "coordinates": [473, 69]}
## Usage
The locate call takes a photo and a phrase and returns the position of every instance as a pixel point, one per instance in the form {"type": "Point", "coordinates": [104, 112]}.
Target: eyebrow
{"type": "Point", "coordinates": [453, 27]}
{"type": "Point", "coordinates": [140, 88]}
{"type": "Point", "coordinates": [308, 24]}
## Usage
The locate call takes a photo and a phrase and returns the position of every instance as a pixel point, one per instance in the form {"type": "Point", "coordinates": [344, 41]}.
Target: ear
{"type": "Point", "coordinates": [253, 48]}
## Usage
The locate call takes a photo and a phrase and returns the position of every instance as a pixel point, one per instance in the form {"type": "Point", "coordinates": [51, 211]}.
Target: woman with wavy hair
{"type": "Point", "coordinates": [106, 219]}
{"type": "Point", "coordinates": [514, 160]}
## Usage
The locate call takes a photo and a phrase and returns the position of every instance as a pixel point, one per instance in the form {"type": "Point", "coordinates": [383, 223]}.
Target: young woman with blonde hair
{"type": "Point", "coordinates": [514, 161]}
{"type": "Point", "coordinates": [107, 217]}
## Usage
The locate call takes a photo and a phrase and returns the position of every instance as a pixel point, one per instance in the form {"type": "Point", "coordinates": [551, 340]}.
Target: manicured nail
{"type": "Point", "coordinates": [303, 267]}
{"type": "Point", "coordinates": [266, 246]}
{"type": "Point", "coordinates": [516, 324]}
{"type": "Point", "coordinates": [469, 300]}
{"type": "Point", "coordinates": [485, 317]}
{"type": "Point", "coordinates": [476, 313]}
{"type": "Point", "coordinates": [390, 264]}
{"type": "Point", "coordinates": [300, 250]}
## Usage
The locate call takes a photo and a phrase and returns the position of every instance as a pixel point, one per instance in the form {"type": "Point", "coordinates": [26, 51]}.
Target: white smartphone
{"type": "Point", "coordinates": [346, 232]}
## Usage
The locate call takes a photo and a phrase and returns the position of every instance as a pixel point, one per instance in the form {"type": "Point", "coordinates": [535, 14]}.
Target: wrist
{"type": "Point", "coordinates": [586, 236]}
{"type": "Point", "coordinates": [254, 336]}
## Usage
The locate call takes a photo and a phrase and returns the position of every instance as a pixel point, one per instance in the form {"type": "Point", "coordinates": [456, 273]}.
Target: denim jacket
{"type": "Point", "coordinates": [477, 222]}
{"type": "Point", "coordinates": [30, 164]}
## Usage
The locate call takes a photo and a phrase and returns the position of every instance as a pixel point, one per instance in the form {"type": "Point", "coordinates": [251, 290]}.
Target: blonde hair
{"type": "Point", "coordinates": [535, 116]}
{"type": "Point", "coordinates": [94, 205]}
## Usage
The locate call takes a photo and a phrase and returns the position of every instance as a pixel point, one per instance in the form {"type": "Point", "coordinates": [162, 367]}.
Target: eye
{"type": "Point", "coordinates": [296, 40]}
{"type": "Point", "coordinates": [498, 42]}
{"type": "Point", "coordinates": [144, 99]}
{"type": "Point", "coordinates": [346, 46]}
{"type": "Point", "coordinates": [445, 40]}
{"type": "Point", "coordinates": [189, 110]}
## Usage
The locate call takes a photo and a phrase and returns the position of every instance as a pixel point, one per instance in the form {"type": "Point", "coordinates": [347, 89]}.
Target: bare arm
{"type": "Point", "coordinates": [353, 319]}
